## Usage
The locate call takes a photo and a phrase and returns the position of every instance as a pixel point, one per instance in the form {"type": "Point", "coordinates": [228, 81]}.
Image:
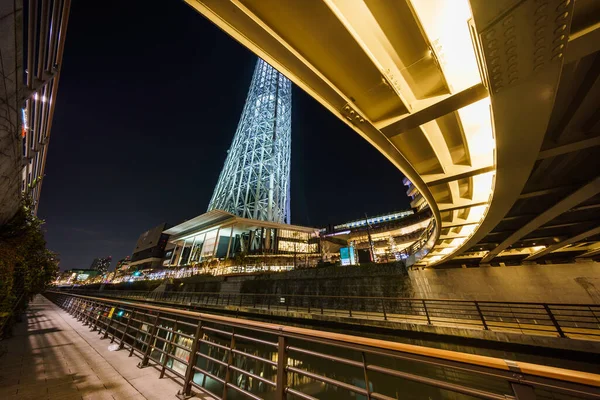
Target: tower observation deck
{"type": "Point", "coordinates": [255, 180]}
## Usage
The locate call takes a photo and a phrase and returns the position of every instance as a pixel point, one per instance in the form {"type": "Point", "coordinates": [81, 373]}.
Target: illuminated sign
{"type": "Point", "coordinates": [347, 256]}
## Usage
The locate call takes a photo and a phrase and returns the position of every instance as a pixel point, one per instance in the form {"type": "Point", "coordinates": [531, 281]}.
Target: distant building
{"type": "Point", "coordinates": [123, 264]}
{"type": "Point", "coordinates": [101, 264]}
{"type": "Point", "coordinates": [74, 276]}
{"type": "Point", "coordinates": [169, 250]}
{"type": "Point", "coordinates": [380, 238]}
{"type": "Point", "coordinates": [149, 250]}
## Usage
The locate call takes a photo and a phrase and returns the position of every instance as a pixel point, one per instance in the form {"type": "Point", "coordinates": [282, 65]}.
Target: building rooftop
{"type": "Point", "coordinates": [219, 218]}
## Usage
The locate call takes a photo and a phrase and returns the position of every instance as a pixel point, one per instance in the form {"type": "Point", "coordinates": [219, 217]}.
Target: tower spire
{"type": "Point", "coordinates": [255, 179]}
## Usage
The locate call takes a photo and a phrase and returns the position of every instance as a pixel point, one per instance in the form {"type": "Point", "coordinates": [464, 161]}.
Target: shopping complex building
{"type": "Point", "coordinates": [218, 239]}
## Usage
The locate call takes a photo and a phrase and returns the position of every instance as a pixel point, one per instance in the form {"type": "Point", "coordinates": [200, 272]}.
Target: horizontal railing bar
{"type": "Point", "coordinates": [216, 360]}
{"type": "Point", "coordinates": [239, 389]}
{"type": "Point", "coordinates": [259, 378]}
{"type": "Point", "coordinates": [215, 330]}
{"type": "Point", "coordinates": [254, 357]}
{"type": "Point", "coordinates": [181, 360]}
{"type": "Point", "coordinates": [379, 396]}
{"type": "Point", "coordinates": [302, 395]}
{"type": "Point", "coordinates": [191, 325]}
{"type": "Point", "coordinates": [265, 342]}
{"type": "Point", "coordinates": [184, 348]}
{"type": "Point", "coordinates": [437, 383]}
{"type": "Point", "coordinates": [327, 380]}
{"type": "Point", "coordinates": [326, 356]}
{"type": "Point", "coordinates": [216, 378]}
{"type": "Point", "coordinates": [220, 346]}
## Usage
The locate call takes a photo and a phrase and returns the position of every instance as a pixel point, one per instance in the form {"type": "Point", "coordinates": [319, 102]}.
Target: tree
{"type": "Point", "coordinates": [26, 266]}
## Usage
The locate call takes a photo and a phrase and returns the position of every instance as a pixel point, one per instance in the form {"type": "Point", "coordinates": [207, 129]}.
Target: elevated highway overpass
{"type": "Point", "coordinates": [490, 109]}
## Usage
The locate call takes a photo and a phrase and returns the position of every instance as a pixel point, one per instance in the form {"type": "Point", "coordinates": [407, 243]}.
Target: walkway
{"type": "Point", "coordinates": [53, 356]}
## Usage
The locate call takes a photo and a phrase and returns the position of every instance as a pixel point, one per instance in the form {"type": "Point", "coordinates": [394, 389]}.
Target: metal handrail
{"type": "Point", "coordinates": [575, 321]}
{"type": "Point", "coordinates": [164, 335]}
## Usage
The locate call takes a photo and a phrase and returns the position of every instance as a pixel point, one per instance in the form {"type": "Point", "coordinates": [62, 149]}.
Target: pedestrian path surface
{"type": "Point", "coordinates": [53, 356]}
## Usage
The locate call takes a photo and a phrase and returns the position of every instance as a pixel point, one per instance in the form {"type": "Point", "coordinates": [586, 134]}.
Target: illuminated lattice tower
{"type": "Point", "coordinates": [255, 180]}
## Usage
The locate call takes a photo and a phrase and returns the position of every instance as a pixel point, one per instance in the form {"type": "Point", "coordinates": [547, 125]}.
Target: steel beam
{"type": "Point", "coordinates": [439, 109]}
{"type": "Point", "coordinates": [456, 177]}
{"type": "Point", "coordinates": [545, 192]}
{"type": "Point", "coordinates": [590, 253]}
{"type": "Point", "coordinates": [569, 148]}
{"type": "Point", "coordinates": [563, 243]}
{"type": "Point", "coordinates": [583, 43]}
{"type": "Point", "coordinates": [575, 198]}
{"type": "Point", "coordinates": [583, 89]}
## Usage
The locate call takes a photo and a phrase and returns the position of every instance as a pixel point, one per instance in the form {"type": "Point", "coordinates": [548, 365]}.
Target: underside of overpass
{"type": "Point", "coordinates": [490, 109]}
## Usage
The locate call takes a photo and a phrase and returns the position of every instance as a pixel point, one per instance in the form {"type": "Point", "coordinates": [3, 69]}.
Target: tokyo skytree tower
{"type": "Point", "coordinates": [255, 180]}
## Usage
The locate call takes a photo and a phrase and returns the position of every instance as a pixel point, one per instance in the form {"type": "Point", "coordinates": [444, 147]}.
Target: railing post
{"type": "Point", "coordinates": [126, 328]}
{"type": "Point", "coordinates": [269, 303]}
{"type": "Point", "coordinates": [170, 346]}
{"type": "Point", "coordinates": [366, 375]}
{"type": "Point", "coordinates": [107, 326]}
{"type": "Point", "coordinates": [485, 327]}
{"type": "Point", "coordinates": [426, 312]}
{"type": "Point", "coordinates": [94, 320]}
{"type": "Point", "coordinates": [77, 312]}
{"type": "Point", "coordinates": [228, 296]}
{"type": "Point", "coordinates": [81, 314]}
{"type": "Point", "coordinates": [186, 392]}
{"type": "Point", "coordinates": [383, 308]}
{"type": "Point", "coordinates": [281, 382]}
{"type": "Point", "coordinates": [229, 363]}
{"type": "Point", "coordinates": [86, 318]}
{"type": "Point", "coordinates": [152, 332]}
{"type": "Point", "coordinates": [321, 301]}
{"type": "Point", "coordinates": [309, 301]}
{"type": "Point", "coordinates": [554, 321]}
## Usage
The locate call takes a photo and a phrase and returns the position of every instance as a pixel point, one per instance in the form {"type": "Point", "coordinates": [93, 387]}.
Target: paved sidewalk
{"type": "Point", "coordinates": [53, 356]}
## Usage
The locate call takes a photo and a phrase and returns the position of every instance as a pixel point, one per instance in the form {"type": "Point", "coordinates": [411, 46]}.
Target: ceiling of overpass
{"type": "Point", "coordinates": [501, 168]}
{"type": "Point", "coordinates": [568, 161]}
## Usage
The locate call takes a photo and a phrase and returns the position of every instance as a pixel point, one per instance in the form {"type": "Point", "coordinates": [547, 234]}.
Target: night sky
{"type": "Point", "coordinates": [149, 99]}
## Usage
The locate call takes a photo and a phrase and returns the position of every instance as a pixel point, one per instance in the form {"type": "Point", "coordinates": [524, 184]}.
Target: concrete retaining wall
{"type": "Point", "coordinates": [560, 283]}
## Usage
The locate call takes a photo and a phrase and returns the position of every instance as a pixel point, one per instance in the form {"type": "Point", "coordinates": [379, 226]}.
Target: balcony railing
{"type": "Point", "coordinates": [224, 357]}
{"type": "Point", "coordinates": [575, 321]}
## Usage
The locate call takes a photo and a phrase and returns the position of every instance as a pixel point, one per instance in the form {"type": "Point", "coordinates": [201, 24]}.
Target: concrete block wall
{"type": "Point", "coordinates": [559, 283]}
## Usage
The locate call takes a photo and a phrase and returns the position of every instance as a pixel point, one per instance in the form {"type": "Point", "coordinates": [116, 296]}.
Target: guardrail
{"type": "Point", "coordinates": [224, 357]}
{"type": "Point", "coordinates": [575, 321]}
